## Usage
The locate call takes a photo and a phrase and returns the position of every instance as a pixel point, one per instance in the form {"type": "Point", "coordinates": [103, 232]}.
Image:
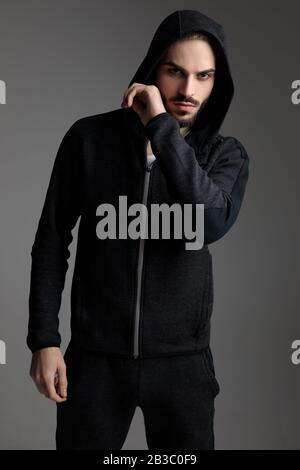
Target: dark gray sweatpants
{"type": "Point", "coordinates": [176, 395]}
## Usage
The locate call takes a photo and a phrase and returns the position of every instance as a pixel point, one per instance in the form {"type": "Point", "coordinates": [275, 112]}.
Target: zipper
{"type": "Point", "coordinates": [140, 263]}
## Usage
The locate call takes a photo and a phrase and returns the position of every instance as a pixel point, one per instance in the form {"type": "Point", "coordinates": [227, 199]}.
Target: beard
{"type": "Point", "coordinates": [188, 123]}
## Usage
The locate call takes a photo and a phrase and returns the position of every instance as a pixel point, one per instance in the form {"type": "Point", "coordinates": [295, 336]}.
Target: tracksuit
{"type": "Point", "coordinates": [140, 307]}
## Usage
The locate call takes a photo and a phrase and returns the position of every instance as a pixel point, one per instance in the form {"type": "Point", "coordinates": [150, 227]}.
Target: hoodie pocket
{"type": "Point", "coordinates": [206, 303]}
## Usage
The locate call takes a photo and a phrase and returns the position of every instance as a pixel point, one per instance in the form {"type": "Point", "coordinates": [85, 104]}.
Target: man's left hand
{"type": "Point", "coordinates": [145, 99]}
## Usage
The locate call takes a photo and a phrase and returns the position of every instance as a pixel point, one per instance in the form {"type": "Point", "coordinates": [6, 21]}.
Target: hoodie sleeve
{"type": "Point", "coordinates": [50, 252]}
{"type": "Point", "coordinates": [221, 191]}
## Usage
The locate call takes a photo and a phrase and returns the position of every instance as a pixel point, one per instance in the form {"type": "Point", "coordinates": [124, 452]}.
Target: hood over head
{"type": "Point", "coordinates": [173, 28]}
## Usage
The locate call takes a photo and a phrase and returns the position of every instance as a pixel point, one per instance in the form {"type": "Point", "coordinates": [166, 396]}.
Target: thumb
{"type": "Point", "coordinates": [62, 383]}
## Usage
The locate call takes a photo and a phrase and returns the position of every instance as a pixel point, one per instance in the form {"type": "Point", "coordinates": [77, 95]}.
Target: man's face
{"type": "Point", "coordinates": [191, 79]}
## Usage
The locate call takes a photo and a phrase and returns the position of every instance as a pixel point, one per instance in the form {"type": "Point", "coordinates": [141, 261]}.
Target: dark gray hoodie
{"type": "Point", "coordinates": [138, 297]}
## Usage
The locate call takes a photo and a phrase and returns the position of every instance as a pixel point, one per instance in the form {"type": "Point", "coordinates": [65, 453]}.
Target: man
{"type": "Point", "coordinates": [140, 307]}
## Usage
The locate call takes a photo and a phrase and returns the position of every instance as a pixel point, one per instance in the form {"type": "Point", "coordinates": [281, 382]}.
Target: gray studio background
{"type": "Point", "coordinates": [63, 60]}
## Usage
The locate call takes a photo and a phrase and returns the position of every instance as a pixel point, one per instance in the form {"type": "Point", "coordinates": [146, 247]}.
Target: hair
{"type": "Point", "coordinates": [195, 35]}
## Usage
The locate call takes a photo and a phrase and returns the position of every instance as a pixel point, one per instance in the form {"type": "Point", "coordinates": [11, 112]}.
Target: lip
{"type": "Point", "coordinates": [184, 106]}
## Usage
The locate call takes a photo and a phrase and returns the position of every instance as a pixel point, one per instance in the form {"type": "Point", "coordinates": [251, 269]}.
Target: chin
{"type": "Point", "coordinates": [184, 116]}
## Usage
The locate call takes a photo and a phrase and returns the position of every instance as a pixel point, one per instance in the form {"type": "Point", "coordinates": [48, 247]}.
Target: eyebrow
{"type": "Point", "coordinates": [181, 68]}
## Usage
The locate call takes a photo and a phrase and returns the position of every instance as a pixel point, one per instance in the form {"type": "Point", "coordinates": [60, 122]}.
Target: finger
{"type": "Point", "coordinates": [125, 95]}
{"type": "Point", "coordinates": [51, 392]}
{"type": "Point", "coordinates": [130, 97]}
{"type": "Point", "coordinates": [131, 92]}
{"type": "Point", "coordinates": [56, 380]}
{"type": "Point", "coordinates": [131, 87]}
{"type": "Point", "coordinates": [62, 381]}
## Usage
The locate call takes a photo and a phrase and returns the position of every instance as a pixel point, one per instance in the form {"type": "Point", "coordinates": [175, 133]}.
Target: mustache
{"type": "Point", "coordinates": [191, 101]}
{"type": "Point", "coordinates": [186, 100]}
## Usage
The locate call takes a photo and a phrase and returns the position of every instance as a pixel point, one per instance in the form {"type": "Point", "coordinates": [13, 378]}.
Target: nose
{"type": "Point", "coordinates": [187, 87]}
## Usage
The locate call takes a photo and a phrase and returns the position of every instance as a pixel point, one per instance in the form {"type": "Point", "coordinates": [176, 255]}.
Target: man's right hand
{"type": "Point", "coordinates": [48, 371]}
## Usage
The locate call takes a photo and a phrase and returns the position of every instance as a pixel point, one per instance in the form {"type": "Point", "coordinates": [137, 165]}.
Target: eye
{"type": "Point", "coordinates": [205, 76]}
{"type": "Point", "coordinates": [174, 71]}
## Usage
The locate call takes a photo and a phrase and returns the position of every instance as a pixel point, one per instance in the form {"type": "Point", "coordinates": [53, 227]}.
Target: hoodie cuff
{"type": "Point", "coordinates": [157, 121]}
{"type": "Point", "coordinates": [33, 349]}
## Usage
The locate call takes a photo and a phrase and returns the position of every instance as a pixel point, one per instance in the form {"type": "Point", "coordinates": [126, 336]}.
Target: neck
{"type": "Point", "coordinates": [184, 131]}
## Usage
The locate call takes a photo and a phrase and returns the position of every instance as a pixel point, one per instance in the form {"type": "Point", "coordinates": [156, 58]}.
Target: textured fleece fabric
{"type": "Point", "coordinates": [102, 157]}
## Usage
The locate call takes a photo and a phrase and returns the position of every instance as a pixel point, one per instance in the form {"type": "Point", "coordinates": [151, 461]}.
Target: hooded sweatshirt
{"type": "Point", "coordinates": [134, 296]}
